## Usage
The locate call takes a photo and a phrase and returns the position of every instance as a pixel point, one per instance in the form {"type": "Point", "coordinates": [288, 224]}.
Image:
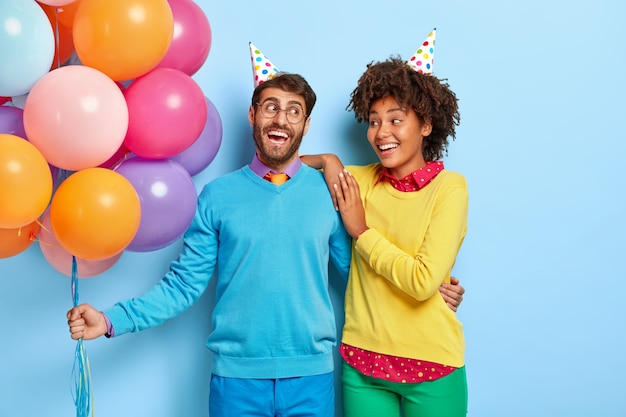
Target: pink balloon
{"type": "Point", "coordinates": [76, 116]}
{"type": "Point", "coordinates": [167, 112]}
{"type": "Point", "coordinates": [199, 155]}
{"type": "Point", "coordinates": [56, 2]}
{"type": "Point", "coordinates": [192, 38]}
{"type": "Point", "coordinates": [61, 259]}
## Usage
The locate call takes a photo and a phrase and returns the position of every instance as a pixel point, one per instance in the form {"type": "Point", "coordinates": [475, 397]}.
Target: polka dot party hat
{"type": "Point", "coordinates": [422, 60]}
{"type": "Point", "coordinates": [262, 68]}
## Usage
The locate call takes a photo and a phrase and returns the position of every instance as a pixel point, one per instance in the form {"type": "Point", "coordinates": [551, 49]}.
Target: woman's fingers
{"type": "Point", "coordinates": [346, 190]}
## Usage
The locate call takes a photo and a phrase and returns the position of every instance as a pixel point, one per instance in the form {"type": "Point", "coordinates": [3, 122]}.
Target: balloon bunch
{"type": "Point", "coordinates": [101, 127]}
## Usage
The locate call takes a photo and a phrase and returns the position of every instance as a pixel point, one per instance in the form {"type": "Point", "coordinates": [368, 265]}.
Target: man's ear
{"type": "Point", "coordinates": [251, 115]}
{"type": "Point", "coordinates": [306, 125]}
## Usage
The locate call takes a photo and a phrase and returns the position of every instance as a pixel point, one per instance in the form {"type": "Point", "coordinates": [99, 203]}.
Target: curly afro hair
{"type": "Point", "coordinates": [430, 97]}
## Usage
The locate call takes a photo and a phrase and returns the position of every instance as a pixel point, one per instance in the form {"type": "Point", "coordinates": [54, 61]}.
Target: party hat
{"type": "Point", "coordinates": [262, 68]}
{"type": "Point", "coordinates": [422, 60]}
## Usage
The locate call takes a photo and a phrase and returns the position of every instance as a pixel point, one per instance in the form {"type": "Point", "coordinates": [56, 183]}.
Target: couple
{"type": "Point", "coordinates": [269, 229]}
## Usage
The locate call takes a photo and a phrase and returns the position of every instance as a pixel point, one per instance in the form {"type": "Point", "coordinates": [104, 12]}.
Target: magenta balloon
{"type": "Point", "coordinates": [168, 201]}
{"type": "Point", "coordinates": [167, 112]}
{"type": "Point", "coordinates": [61, 259]}
{"type": "Point", "coordinates": [199, 155]}
{"type": "Point", "coordinates": [192, 38]}
{"type": "Point", "coordinates": [12, 121]}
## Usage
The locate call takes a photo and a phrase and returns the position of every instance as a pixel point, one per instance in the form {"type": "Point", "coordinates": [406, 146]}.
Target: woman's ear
{"type": "Point", "coordinates": [427, 129]}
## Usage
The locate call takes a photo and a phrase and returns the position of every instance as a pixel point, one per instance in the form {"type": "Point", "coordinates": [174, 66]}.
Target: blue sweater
{"type": "Point", "coordinates": [270, 247]}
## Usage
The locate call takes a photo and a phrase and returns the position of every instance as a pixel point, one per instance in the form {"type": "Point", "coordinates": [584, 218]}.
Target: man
{"type": "Point", "coordinates": [273, 322]}
{"type": "Point", "coordinates": [273, 328]}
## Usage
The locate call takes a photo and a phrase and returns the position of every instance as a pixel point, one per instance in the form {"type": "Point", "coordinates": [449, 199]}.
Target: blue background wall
{"type": "Point", "coordinates": [541, 142]}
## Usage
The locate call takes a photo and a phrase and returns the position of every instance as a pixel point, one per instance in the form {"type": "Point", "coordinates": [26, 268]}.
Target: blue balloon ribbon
{"type": "Point", "coordinates": [81, 371]}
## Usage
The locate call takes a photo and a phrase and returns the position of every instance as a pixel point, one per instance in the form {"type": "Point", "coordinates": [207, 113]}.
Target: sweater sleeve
{"type": "Point", "coordinates": [421, 275]}
{"type": "Point", "coordinates": [341, 250]}
{"type": "Point", "coordinates": [185, 282]}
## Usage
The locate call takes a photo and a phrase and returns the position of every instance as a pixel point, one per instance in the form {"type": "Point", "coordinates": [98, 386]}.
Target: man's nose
{"type": "Point", "coordinates": [281, 115]}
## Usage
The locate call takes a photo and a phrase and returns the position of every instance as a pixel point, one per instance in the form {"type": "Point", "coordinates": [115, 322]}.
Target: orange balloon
{"type": "Point", "coordinates": [63, 40]}
{"type": "Point", "coordinates": [123, 38]}
{"type": "Point", "coordinates": [16, 241]}
{"type": "Point", "coordinates": [61, 259]}
{"type": "Point", "coordinates": [95, 213]}
{"type": "Point", "coordinates": [25, 182]}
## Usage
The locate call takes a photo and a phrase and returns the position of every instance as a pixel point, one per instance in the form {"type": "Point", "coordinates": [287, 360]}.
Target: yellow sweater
{"type": "Point", "coordinates": [393, 305]}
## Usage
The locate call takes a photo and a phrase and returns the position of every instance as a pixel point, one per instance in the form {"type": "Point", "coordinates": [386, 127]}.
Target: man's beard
{"type": "Point", "coordinates": [277, 158]}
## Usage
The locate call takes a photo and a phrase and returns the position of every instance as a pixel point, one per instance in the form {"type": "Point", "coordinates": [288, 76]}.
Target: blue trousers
{"type": "Point", "coordinates": [308, 396]}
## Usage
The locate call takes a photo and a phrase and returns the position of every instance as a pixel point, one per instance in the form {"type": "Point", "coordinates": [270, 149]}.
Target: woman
{"type": "Point", "coordinates": [403, 348]}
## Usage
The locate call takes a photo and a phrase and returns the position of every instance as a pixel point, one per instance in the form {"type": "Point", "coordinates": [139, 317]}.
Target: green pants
{"type": "Point", "coordinates": [364, 396]}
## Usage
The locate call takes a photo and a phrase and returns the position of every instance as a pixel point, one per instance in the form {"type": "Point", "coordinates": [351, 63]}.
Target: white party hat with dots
{"type": "Point", "coordinates": [262, 68]}
{"type": "Point", "coordinates": [423, 59]}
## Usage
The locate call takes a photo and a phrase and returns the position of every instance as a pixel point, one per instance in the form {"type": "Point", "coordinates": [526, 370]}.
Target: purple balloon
{"type": "Point", "coordinates": [12, 121]}
{"type": "Point", "coordinates": [202, 152]}
{"type": "Point", "coordinates": [168, 201]}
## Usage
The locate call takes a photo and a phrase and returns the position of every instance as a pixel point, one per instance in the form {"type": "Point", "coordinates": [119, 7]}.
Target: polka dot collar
{"type": "Point", "coordinates": [416, 180]}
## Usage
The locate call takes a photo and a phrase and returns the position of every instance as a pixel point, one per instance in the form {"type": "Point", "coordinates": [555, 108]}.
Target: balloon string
{"type": "Point", "coordinates": [34, 238]}
{"type": "Point", "coordinates": [57, 36]}
{"type": "Point", "coordinates": [42, 225]}
{"type": "Point", "coordinates": [81, 371]}
{"type": "Point", "coordinates": [31, 236]}
{"type": "Point", "coordinates": [43, 242]}
{"type": "Point", "coordinates": [74, 281]}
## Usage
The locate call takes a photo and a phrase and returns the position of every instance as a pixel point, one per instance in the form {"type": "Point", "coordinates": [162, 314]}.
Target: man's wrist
{"type": "Point", "coordinates": [109, 327]}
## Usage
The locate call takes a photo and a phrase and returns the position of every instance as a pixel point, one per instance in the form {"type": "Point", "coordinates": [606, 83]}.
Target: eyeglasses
{"type": "Point", "coordinates": [294, 114]}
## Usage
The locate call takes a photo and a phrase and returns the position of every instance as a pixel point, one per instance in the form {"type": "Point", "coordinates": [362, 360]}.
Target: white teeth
{"type": "Point", "coordinates": [387, 146]}
{"type": "Point", "coordinates": [280, 134]}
